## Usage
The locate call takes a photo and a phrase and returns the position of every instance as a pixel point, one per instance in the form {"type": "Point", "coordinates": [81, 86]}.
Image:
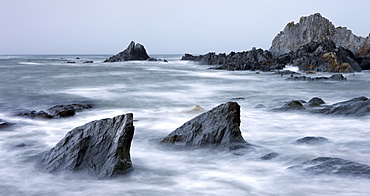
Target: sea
{"type": "Point", "coordinates": [160, 94]}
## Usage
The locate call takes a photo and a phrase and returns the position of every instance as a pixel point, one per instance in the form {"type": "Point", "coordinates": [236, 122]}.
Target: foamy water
{"type": "Point", "coordinates": [159, 94]}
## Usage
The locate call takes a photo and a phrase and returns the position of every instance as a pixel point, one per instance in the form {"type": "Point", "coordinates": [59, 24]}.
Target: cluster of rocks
{"type": "Point", "coordinates": [334, 77]}
{"type": "Point", "coordinates": [58, 111]}
{"type": "Point", "coordinates": [313, 44]}
{"type": "Point", "coordinates": [359, 106]}
{"type": "Point", "coordinates": [102, 148]}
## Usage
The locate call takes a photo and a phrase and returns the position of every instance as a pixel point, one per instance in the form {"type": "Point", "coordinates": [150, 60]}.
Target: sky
{"type": "Point", "coordinates": [162, 26]}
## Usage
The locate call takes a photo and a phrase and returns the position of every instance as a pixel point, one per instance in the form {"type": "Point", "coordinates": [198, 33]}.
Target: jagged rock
{"type": "Point", "coordinates": [57, 111]}
{"type": "Point", "coordinates": [310, 140]}
{"type": "Point", "coordinates": [219, 127]}
{"type": "Point", "coordinates": [99, 148]}
{"type": "Point", "coordinates": [334, 77]}
{"type": "Point", "coordinates": [333, 166]}
{"type": "Point", "coordinates": [359, 106]}
{"type": "Point", "coordinates": [316, 28]}
{"type": "Point", "coordinates": [255, 59]}
{"type": "Point", "coordinates": [132, 52]}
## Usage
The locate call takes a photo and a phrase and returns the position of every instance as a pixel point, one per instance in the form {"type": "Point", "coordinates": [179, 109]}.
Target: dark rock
{"type": "Point", "coordinates": [165, 60]}
{"type": "Point", "coordinates": [88, 62]}
{"type": "Point", "coordinates": [4, 124]}
{"type": "Point", "coordinates": [35, 114]}
{"type": "Point", "coordinates": [260, 106]}
{"type": "Point", "coordinates": [316, 101]}
{"type": "Point", "coordinates": [238, 98]}
{"type": "Point", "coordinates": [77, 57]}
{"type": "Point", "coordinates": [71, 62]}
{"type": "Point", "coordinates": [270, 156]}
{"type": "Point", "coordinates": [291, 106]}
{"type": "Point", "coordinates": [285, 72]}
{"type": "Point", "coordinates": [62, 111]}
{"type": "Point", "coordinates": [219, 127]}
{"type": "Point", "coordinates": [333, 166]}
{"type": "Point", "coordinates": [312, 140]}
{"type": "Point", "coordinates": [364, 62]}
{"type": "Point", "coordinates": [152, 59]}
{"type": "Point", "coordinates": [334, 77]}
{"type": "Point", "coordinates": [132, 52]}
{"type": "Point", "coordinates": [359, 106]}
{"type": "Point", "coordinates": [99, 148]}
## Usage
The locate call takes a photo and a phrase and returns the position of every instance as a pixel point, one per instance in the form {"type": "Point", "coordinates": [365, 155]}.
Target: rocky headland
{"type": "Point", "coordinates": [314, 44]}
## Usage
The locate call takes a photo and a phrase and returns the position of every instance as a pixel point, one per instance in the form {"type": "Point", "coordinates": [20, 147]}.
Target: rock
{"type": "Point", "coordinates": [71, 62]}
{"type": "Point", "coordinates": [132, 52]}
{"type": "Point", "coordinates": [333, 166]}
{"type": "Point", "coordinates": [359, 106]}
{"type": "Point", "coordinates": [99, 148]}
{"type": "Point", "coordinates": [57, 111]}
{"type": "Point", "coordinates": [88, 62]}
{"type": "Point", "coordinates": [291, 106]}
{"type": "Point", "coordinates": [270, 156]}
{"type": "Point", "coordinates": [314, 28]}
{"type": "Point", "coordinates": [334, 77]}
{"type": "Point", "coordinates": [316, 101]}
{"type": "Point", "coordinates": [310, 140]}
{"type": "Point", "coordinates": [77, 57]}
{"type": "Point", "coordinates": [196, 109]}
{"type": "Point", "coordinates": [35, 114]}
{"type": "Point", "coordinates": [4, 124]}
{"type": "Point", "coordinates": [219, 127]}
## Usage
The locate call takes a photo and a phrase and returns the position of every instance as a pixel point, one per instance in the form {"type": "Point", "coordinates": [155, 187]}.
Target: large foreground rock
{"type": "Point", "coordinates": [333, 166]}
{"type": "Point", "coordinates": [219, 127]}
{"type": "Point", "coordinates": [99, 148]}
{"type": "Point", "coordinates": [131, 53]}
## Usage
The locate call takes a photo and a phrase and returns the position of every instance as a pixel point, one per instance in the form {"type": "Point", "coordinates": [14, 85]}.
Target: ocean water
{"type": "Point", "coordinates": [159, 95]}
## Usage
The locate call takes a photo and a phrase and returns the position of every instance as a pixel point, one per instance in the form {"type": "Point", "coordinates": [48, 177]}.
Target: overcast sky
{"type": "Point", "coordinates": [162, 26]}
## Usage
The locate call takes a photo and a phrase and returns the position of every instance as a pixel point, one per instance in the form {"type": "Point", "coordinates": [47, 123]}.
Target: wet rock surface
{"type": "Point", "coordinates": [219, 127]}
{"type": "Point", "coordinates": [100, 148]}
{"type": "Point", "coordinates": [312, 140]}
{"type": "Point", "coordinates": [57, 111]}
{"type": "Point", "coordinates": [333, 166]}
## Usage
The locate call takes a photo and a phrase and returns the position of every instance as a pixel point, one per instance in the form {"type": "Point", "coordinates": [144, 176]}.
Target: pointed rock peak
{"type": "Point", "coordinates": [134, 51]}
{"type": "Point", "coordinates": [217, 127]}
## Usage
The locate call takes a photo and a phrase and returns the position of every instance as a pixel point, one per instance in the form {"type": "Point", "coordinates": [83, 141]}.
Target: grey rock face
{"type": "Point", "coordinates": [333, 166]}
{"type": "Point", "coordinates": [132, 52]}
{"type": "Point", "coordinates": [99, 148]}
{"type": "Point", "coordinates": [316, 28]}
{"type": "Point", "coordinates": [218, 127]}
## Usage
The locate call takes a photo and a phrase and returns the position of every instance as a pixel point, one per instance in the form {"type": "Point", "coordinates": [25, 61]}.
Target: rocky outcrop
{"type": "Point", "coordinates": [57, 111]}
{"type": "Point", "coordinates": [99, 148]}
{"type": "Point", "coordinates": [132, 52]}
{"type": "Point", "coordinates": [312, 140]}
{"type": "Point", "coordinates": [255, 59]}
{"type": "Point", "coordinates": [321, 56]}
{"type": "Point", "coordinates": [219, 127]}
{"type": "Point", "coordinates": [315, 28]}
{"type": "Point", "coordinates": [359, 106]}
{"type": "Point", "coordinates": [333, 166]}
{"type": "Point", "coordinates": [334, 77]}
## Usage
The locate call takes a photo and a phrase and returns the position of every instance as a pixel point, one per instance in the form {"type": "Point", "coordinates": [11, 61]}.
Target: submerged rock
{"type": "Point", "coordinates": [4, 124]}
{"type": "Point", "coordinates": [333, 166]}
{"type": "Point", "coordinates": [270, 156]}
{"type": "Point", "coordinates": [219, 127]}
{"type": "Point", "coordinates": [132, 52]}
{"type": "Point", "coordinates": [57, 111]}
{"type": "Point", "coordinates": [99, 148]}
{"type": "Point", "coordinates": [310, 140]}
{"type": "Point", "coordinates": [359, 106]}
{"type": "Point", "coordinates": [334, 77]}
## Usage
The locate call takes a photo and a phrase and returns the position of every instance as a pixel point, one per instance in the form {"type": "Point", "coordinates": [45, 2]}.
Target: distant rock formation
{"type": "Point", "coordinates": [99, 148]}
{"type": "Point", "coordinates": [218, 127]}
{"type": "Point", "coordinates": [131, 53]}
{"type": "Point", "coordinates": [358, 107]}
{"type": "Point", "coordinates": [333, 166]}
{"type": "Point", "coordinates": [313, 44]}
{"type": "Point", "coordinates": [315, 28]}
